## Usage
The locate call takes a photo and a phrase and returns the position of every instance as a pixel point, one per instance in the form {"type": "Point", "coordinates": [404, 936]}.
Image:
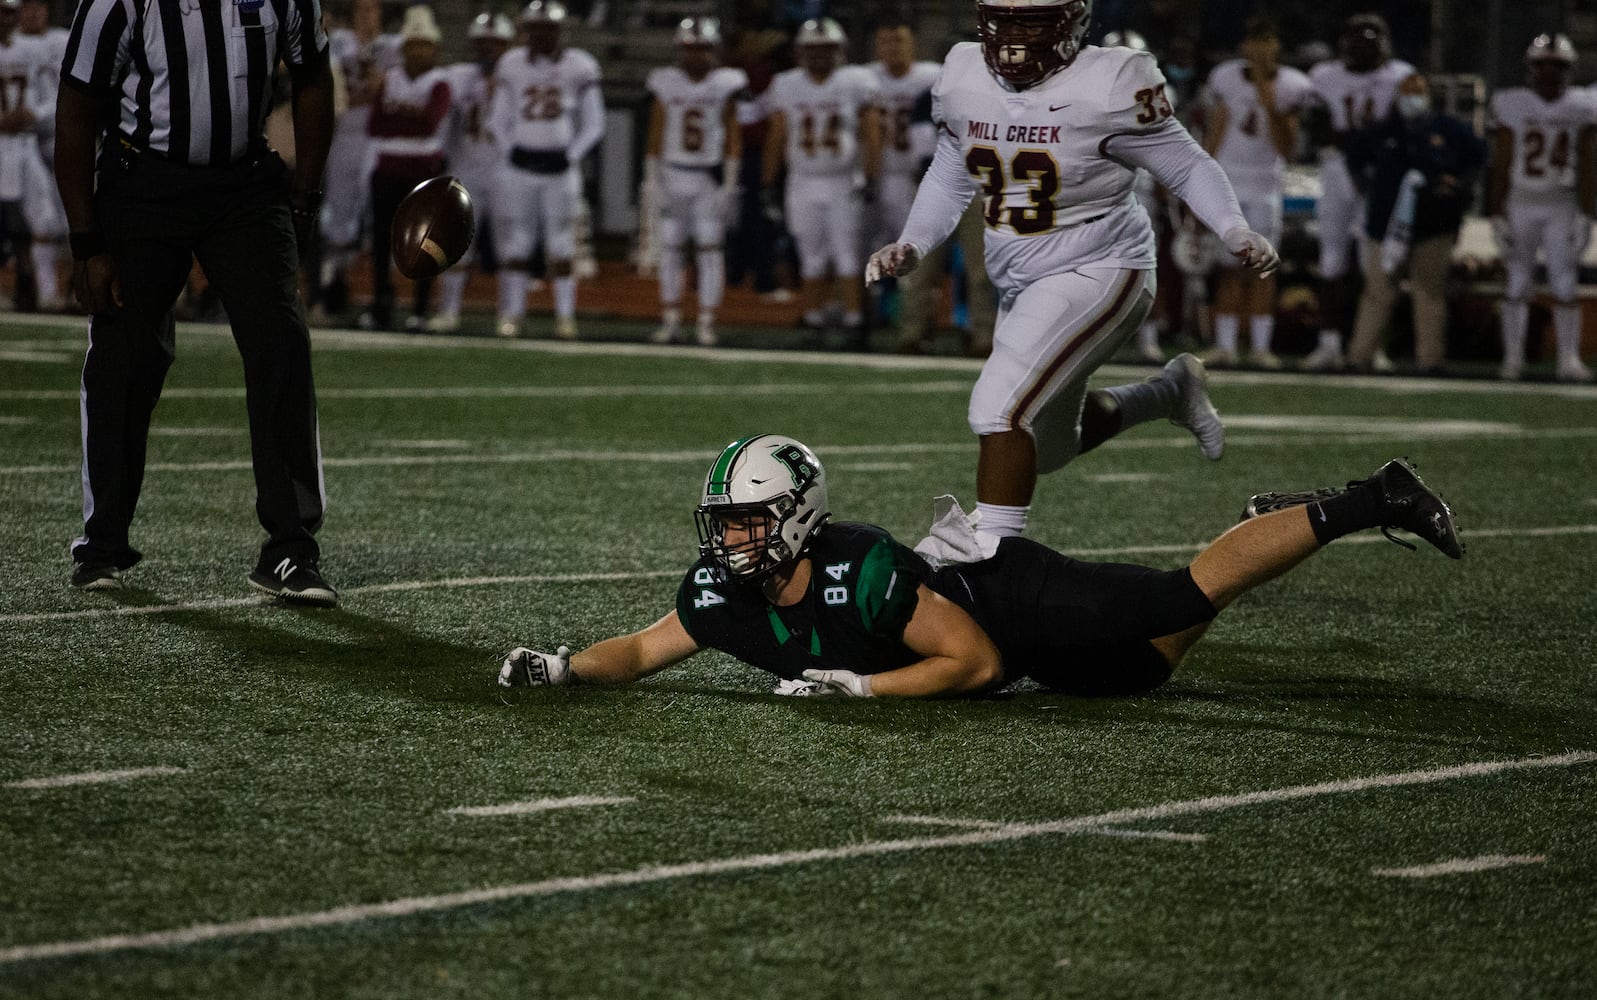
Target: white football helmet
{"type": "Point", "coordinates": [1554, 48]}
{"type": "Point", "coordinates": [821, 31]}
{"type": "Point", "coordinates": [776, 483]}
{"type": "Point", "coordinates": [698, 31]}
{"type": "Point", "coordinates": [1126, 39]}
{"type": "Point", "coordinates": [495, 26]}
{"type": "Point", "coordinates": [543, 12]}
{"type": "Point", "coordinates": [1027, 41]}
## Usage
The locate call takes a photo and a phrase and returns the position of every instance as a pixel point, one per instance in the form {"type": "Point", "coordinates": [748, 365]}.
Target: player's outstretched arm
{"type": "Point", "coordinates": [959, 657]}
{"type": "Point", "coordinates": [619, 660]}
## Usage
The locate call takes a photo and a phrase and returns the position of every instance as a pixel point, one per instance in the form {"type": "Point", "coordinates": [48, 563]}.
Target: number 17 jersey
{"type": "Point", "coordinates": [1053, 199]}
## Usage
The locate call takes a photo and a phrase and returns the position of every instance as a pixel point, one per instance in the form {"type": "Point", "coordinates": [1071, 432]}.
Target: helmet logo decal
{"type": "Point", "coordinates": [798, 464]}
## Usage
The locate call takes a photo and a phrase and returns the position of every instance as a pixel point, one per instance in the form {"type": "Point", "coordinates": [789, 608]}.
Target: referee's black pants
{"type": "Point", "coordinates": [156, 217]}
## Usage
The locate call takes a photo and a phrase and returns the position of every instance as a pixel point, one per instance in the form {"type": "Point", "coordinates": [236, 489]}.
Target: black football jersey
{"type": "Point", "coordinates": [862, 593]}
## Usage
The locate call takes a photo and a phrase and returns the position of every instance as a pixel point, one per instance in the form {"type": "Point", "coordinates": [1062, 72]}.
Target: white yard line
{"type": "Point", "coordinates": [538, 806]}
{"type": "Point", "coordinates": [1102, 831]}
{"type": "Point", "coordinates": [1459, 866]}
{"type": "Point", "coordinates": [650, 874]}
{"type": "Point", "coordinates": [94, 777]}
{"type": "Point", "coordinates": [455, 583]}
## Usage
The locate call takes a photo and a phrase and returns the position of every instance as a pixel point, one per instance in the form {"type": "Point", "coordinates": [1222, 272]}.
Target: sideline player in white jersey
{"type": "Point", "coordinates": [1049, 133]}
{"type": "Point", "coordinates": [474, 155]}
{"type": "Point", "coordinates": [824, 128]}
{"type": "Point", "coordinates": [908, 136]}
{"type": "Point", "coordinates": [30, 207]}
{"type": "Point", "coordinates": [1541, 193]}
{"type": "Point", "coordinates": [547, 114]}
{"type": "Point", "coordinates": [45, 248]}
{"type": "Point", "coordinates": [364, 54]}
{"type": "Point", "coordinates": [1251, 130]}
{"type": "Point", "coordinates": [1353, 91]}
{"type": "Point", "coordinates": [690, 172]}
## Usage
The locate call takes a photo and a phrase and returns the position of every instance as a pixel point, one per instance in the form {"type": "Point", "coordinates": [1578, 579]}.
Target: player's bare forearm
{"type": "Point", "coordinates": [734, 132]}
{"type": "Point", "coordinates": [75, 132]}
{"type": "Point", "coordinates": [775, 145]}
{"type": "Point", "coordinates": [870, 138]}
{"type": "Point", "coordinates": [1284, 132]}
{"type": "Point", "coordinates": [656, 143]}
{"type": "Point", "coordinates": [627, 658]}
{"type": "Point", "coordinates": [959, 656]}
{"type": "Point", "coordinates": [1586, 170]}
{"type": "Point", "coordinates": [1497, 171]}
{"type": "Point", "coordinates": [313, 123]}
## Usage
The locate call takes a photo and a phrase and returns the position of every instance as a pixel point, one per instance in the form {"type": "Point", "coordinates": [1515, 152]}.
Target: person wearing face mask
{"type": "Point", "coordinates": [1420, 167]}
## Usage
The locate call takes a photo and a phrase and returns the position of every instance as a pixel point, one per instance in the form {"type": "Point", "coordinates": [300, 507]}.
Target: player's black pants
{"type": "Point", "coordinates": [388, 190]}
{"type": "Point", "coordinates": [156, 217]}
{"type": "Point", "coordinates": [1076, 626]}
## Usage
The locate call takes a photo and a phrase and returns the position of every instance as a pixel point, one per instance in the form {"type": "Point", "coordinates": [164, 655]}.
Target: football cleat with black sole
{"type": "Point", "coordinates": [1269, 503]}
{"type": "Point", "coordinates": [1414, 507]}
{"type": "Point", "coordinates": [296, 583]}
{"type": "Point", "coordinates": [86, 577]}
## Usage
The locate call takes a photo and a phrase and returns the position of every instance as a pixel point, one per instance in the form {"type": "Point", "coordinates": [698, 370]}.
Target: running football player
{"type": "Point", "coordinates": [1541, 194]}
{"type": "Point", "coordinates": [844, 608]}
{"type": "Point", "coordinates": [1049, 133]}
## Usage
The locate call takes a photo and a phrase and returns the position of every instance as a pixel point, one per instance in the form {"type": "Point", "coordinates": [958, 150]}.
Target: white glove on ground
{"type": "Point", "coordinates": [892, 260]}
{"type": "Point", "coordinates": [843, 682]}
{"type": "Point", "coordinates": [525, 667]}
{"type": "Point", "coordinates": [1253, 250]}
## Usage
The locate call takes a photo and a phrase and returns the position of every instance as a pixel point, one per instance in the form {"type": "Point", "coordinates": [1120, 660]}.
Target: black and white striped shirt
{"type": "Point", "coordinates": [193, 77]}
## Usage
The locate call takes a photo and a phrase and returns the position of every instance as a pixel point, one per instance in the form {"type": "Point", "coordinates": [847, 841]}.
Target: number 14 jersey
{"type": "Point", "coordinates": [1053, 197]}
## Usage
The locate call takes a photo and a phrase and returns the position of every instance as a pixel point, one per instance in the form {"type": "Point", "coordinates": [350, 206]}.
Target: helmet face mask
{"type": "Point", "coordinates": [1024, 42]}
{"type": "Point", "coordinates": [1550, 64]}
{"type": "Point", "coordinates": [763, 501]}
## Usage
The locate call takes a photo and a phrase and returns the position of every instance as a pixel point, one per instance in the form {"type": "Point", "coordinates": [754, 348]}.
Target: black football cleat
{"type": "Point", "coordinates": [1409, 504]}
{"type": "Point", "coordinates": [295, 583]}
{"type": "Point", "coordinates": [1269, 503]}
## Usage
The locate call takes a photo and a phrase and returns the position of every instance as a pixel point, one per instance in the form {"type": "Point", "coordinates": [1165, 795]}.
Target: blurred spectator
{"type": "Point", "coordinates": [1432, 160]}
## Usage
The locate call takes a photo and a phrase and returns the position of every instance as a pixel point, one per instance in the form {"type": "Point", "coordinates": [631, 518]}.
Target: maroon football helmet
{"type": "Point", "coordinates": [1027, 41]}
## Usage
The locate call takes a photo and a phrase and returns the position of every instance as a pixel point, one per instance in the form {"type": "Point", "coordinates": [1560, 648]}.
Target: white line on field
{"type": "Point", "coordinates": [454, 583]}
{"type": "Point", "coordinates": [94, 777]}
{"type": "Point", "coordinates": [217, 431]}
{"type": "Point", "coordinates": [649, 874]}
{"type": "Point", "coordinates": [39, 357]}
{"type": "Point", "coordinates": [1102, 831]}
{"type": "Point", "coordinates": [539, 805]}
{"type": "Point", "coordinates": [1458, 866]}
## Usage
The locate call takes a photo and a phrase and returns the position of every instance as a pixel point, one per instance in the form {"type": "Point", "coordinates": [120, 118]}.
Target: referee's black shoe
{"type": "Point", "coordinates": [295, 582]}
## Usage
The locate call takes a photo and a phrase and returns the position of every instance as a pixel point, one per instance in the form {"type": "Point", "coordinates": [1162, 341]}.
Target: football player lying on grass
{"type": "Point", "coordinates": [836, 607]}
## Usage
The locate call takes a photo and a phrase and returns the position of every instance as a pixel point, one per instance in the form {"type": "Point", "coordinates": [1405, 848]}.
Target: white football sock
{"type": "Point", "coordinates": [1148, 335]}
{"type": "Point", "coordinates": [1261, 330]}
{"type": "Point", "coordinates": [43, 255]}
{"type": "Point", "coordinates": [1566, 330]}
{"type": "Point", "coordinates": [452, 292]}
{"type": "Point", "coordinates": [1226, 328]}
{"type": "Point", "coordinates": [1000, 520]}
{"type": "Point", "coordinates": [671, 277]}
{"type": "Point", "coordinates": [1516, 316]}
{"type": "Point", "coordinates": [513, 293]}
{"type": "Point", "coordinates": [1330, 340]}
{"type": "Point", "coordinates": [712, 277]}
{"type": "Point", "coordinates": [565, 296]}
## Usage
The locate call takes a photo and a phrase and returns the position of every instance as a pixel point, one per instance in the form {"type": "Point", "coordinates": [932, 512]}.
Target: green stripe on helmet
{"type": "Point", "coordinates": [716, 484]}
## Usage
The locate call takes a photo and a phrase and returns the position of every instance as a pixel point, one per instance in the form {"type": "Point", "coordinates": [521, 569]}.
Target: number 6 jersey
{"type": "Point", "coordinates": [1546, 136]}
{"type": "Point", "coordinates": [1054, 200]}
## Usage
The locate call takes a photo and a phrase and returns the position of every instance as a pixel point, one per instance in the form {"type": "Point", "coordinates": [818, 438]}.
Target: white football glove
{"type": "Point", "coordinates": [894, 259]}
{"type": "Point", "coordinates": [842, 682]}
{"type": "Point", "coordinates": [1503, 234]}
{"type": "Point", "coordinates": [1253, 250]}
{"type": "Point", "coordinates": [525, 667]}
{"type": "Point", "coordinates": [1580, 234]}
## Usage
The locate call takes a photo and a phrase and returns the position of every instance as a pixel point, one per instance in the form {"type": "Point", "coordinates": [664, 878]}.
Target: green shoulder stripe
{"type": "Point", "coordinates": [885, 591]}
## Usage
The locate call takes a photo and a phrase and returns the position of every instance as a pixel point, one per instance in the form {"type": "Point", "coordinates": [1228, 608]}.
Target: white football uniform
{"type": "Point", "coordinates": [904, 153]}
{"type": "Point", "coordinates": [1353, 101]}
{"type": "Point", "coordinates": [823, 164]}
{"type": "Point", "coordinates": [1542, 206]}
{"type": "Point", "coordinates": [1068, 245]}
{"type": "Point", "coordinates": [474, 153]}
{"type": "Point", "coordinates": [693, 152]}
{"type": "Point", "coordinates": [546, 114]}
{"type": "Point", "coordinates": [24, 178]}
{"type": "Point", "coordinates": [53, 42]}
{"type": "Point", "coordinates": [1246, 153]}
{"type": "Point", "coordinates": [346, 184]}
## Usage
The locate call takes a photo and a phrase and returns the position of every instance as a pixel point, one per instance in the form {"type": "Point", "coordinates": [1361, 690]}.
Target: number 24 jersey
{"type": "Point", "coordinates": [1546, 137]}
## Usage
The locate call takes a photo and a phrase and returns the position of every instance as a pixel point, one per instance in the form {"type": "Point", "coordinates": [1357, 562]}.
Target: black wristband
{"type": "Point", "coordinates": [87, 244]}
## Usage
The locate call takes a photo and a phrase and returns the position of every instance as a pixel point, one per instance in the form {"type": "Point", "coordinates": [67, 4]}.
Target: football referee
{"type": "Point", "coordinates": [177, 92]}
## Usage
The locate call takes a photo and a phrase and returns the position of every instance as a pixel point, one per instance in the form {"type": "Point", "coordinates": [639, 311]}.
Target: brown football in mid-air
{"type": "Point", "coordinates": [433, 227]}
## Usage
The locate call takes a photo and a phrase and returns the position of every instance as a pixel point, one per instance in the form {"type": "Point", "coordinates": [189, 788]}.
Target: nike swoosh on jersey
{"type": "Point", "coordinates": [1057, 107]}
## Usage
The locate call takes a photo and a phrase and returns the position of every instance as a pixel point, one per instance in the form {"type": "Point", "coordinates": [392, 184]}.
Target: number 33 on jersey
{"type": "Point", "coordinates": [1036, 155]}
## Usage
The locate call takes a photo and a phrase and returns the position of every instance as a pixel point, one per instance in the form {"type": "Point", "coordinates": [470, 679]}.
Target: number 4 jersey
{"type": "Point", "coordinates": [1053, 198]}
{"type": "Point", "coordinates": [862, 595]}
{"type": "Point", "coordinates": [1546, 136]}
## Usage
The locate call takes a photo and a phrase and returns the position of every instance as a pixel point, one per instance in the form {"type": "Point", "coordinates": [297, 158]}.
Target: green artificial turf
{"type": "Point", "coordinates": [487, 494]}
